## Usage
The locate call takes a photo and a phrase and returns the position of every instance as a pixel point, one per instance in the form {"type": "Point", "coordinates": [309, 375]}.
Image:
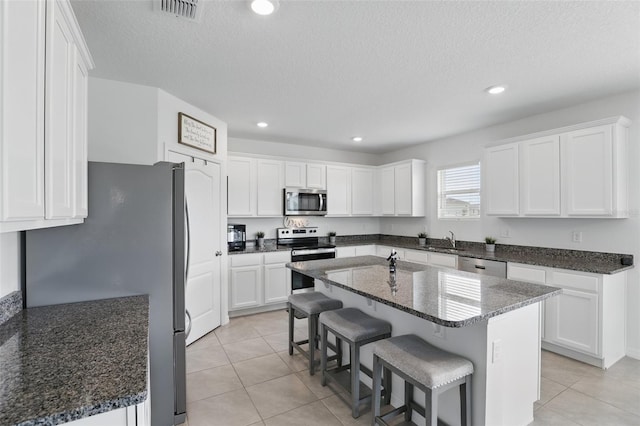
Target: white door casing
{"type": "Point", "coordinates": [203, 286]}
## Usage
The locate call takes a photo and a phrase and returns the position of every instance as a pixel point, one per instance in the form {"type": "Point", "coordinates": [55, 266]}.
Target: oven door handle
{"type": "Point", "coordinates": [312, 251]}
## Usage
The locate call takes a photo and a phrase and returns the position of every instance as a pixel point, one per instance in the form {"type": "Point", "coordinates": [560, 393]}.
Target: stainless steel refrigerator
{"type": "Point", "coordinates": [133, 242]}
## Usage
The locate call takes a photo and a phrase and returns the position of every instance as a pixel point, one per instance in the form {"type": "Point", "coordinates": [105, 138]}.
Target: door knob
{"type": "Point", "coordinates": [218, 253]}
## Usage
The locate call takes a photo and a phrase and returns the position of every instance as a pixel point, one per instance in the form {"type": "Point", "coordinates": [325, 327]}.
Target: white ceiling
{"type": "Point", "coordinates": [396, 72]}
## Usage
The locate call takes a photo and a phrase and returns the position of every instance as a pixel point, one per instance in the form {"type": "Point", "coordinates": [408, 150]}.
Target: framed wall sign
{"type": "Point", "coordinates": [196, 134]}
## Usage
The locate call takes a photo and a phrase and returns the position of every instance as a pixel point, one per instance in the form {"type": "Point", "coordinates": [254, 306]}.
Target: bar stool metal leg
{"type": "Point", "coordinates": [290, 309]}
{"type": "Point", "coordinates": [355, 379]}
{"type": "Point", "coordinates": [323, 354]}
{"type": "Point", "coordinates": [313, 342]}
{"type": "Point", "coordinates": [465, 402]}
{"type": "Point", "coordinates": [408, 399]}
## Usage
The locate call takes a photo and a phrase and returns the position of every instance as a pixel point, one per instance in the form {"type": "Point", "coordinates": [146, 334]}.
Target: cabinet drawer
{"type": "Point", "coordinates": [366, 250]}
{"type": "Point", "coordinates": [277, 257]}
{"type": "Point", "coordinates": [576, 281]}
{"type": "Point", "coordinates": [345, 252]}
{"type": "Point", "coordinates": [416, 256]}
{"type": "Point", "coordinates": [245, 260]}
{"type": "Point", "coordinates": [525, 273]}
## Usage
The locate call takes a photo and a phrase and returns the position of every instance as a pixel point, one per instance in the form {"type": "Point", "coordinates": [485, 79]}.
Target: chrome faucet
{"type": "Point", "coordinates": [451, 239]}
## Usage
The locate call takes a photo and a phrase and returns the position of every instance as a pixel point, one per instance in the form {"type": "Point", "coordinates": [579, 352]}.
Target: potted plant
{"type": "Point", "coordinates": [260, 239]}
{"type": "Point", "coordinates": [422, 238]}
{"type": "Point", "coordinates": [332, 237]}
{"type": "Point", "coordinates": [490, 244]}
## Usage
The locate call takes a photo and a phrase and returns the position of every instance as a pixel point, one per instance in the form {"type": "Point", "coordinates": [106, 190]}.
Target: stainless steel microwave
{"type": "Point", "coordinates": [305, 202]}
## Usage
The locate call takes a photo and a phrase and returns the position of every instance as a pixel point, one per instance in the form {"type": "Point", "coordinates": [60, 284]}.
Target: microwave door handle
{"type": "Point", "coordinates": [321, 202]}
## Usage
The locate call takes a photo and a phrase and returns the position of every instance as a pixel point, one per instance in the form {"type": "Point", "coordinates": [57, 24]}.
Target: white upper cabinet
{"type": "Point", "coordinates": [338, 190]}
{"type": "Point", "coordinates": [43, 82]}
{"type": "Point", "coordinates": [305, 175]}
{"type": "Point", "coordinates": [402, 188]}
{"type": "Point", "coordinates": [594, 167]}
{"type": "Point", "coordinates": [254, 187]}
{"type": "Point", "coordinates": [22, 44]}
{"type": "Point", "coordinates": [270, 189]}
{"type": "Point", "coordinates": [500, 168]}
{"type": "Point", "coordinates": [362, 191]}
{"type": "Point", "coordinates": [578, 171]}
{"type": "Point", "coordinates": [540, 176]}
{"type": "Point", "coordinates": [241, 190]}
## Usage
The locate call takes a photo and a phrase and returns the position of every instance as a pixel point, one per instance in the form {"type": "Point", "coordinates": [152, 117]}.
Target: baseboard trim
{"type": "Point", "coordinates": [633, 353]}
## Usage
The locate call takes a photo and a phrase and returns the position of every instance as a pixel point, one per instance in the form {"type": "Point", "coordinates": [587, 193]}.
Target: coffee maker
{"type": "Point", "coordinates": [236, 237]}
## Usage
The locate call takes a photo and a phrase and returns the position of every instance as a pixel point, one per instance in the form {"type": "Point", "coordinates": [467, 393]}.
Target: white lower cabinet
{"type": "Point", "coordinates": [258, 280]}
{"type": "Point", "coordinates": [368, 250]}
{"type": "Point", "coordinates": [134, 415]}
{"type": "Point", "coordinates": [586, 321]}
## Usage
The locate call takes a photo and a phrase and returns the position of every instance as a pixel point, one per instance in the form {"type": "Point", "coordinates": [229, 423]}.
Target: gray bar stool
{"type": "Point", "coordinates": [357, 329]}
{"type": "Point", "coordinates": [310, 305]}
{"type": "Point", "coordinates": [426, 367]}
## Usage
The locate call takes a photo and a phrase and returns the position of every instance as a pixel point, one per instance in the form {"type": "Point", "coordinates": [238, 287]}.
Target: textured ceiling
{"type": "Point", "coordinates": [396, 72]}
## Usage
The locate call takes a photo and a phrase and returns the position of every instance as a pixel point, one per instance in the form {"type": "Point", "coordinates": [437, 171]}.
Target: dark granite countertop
{"type": "Point", "coordinates": [574, 260]}
{"type": "Point", "coordinates": [443, 296]}
{"type": "Point", "coordinates": [65, 362]}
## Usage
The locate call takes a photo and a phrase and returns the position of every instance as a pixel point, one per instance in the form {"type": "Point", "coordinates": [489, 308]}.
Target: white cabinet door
{"type": "Point", "coordinates": [22, 46]}
{"type": "Point", "coordinates": [571, 320]}
{"type": "Point", "coordinates": [59, 146]}
{"type": "Point", "coordinates": [204, 282]}
{"type": "Point", "coordinates": [241, 199]}
{"type": "Point", "coordinates": [245, 287]}
{"type": "Point", "coordinates": [295, 174]}
{"type": "Point", "coordinates": [80, 82]}
{"type": "Point", "coordinates": [416, 256]}
{"type": "Point", "coordinates": [403, 189]}
{"type": "Point", "coordinates": [316, 176]}
{"type": "Point", "coordinates": [277, 283]}
{"type": "Point", "coordinates": [587, 172]}
{"type": "Point", "coordinates": [362, 191]}
{"type": "Point", "coordinates": [270, 188]}
{"type": "Point", "coordinates": [369, 250]}
{"type": "Point", "coordinates": [338, 190]}
{"type": "Point", "coordinates": [446, 260]}
{"type": "Point", "coordinates": [501, 183]}
{"type": "Point", "coordinates": [345, 252]}
{"type": "Point", "coordinates": [540, 176]}
{"type": "Point", "coordinates": [387, 191]}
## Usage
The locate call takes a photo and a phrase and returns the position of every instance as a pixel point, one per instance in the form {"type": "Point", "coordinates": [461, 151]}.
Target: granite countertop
{"type": "Point", "coordinates": [443, 296]}
{"type": "Point", "coordinates": [64, 362]}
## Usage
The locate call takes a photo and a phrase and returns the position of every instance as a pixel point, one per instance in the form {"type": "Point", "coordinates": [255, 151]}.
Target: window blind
{"type": "Point", "coordinates": [459, 192]}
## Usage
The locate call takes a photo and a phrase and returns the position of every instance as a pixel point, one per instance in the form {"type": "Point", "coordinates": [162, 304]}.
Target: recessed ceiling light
{"type": "Point", "coordinates": [262, 124]}
{"type": "Point", "coordinates": [264, 7]}
{"type": "Point", "coordinates": [495, 90]}
{"type": "Point", "coordinates": [357, 139]}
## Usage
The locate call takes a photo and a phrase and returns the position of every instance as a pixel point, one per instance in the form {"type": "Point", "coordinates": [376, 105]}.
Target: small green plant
{"type": "Point", "coordinates": [422, 235]}
{"type": "Point", "coordinates": [489, 240]}
{"type": "Point", "coordinates": [260, 234]}
{"type": "Point", "coordinates": [331, 233]}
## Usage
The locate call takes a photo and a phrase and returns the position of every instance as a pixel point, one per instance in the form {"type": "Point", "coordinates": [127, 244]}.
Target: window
{"type": "Point", "coordinates": [459, 192]}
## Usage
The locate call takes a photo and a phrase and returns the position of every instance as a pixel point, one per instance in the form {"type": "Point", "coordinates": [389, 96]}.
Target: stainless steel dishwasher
{"type": "Point", "coordinates": [494, 268]}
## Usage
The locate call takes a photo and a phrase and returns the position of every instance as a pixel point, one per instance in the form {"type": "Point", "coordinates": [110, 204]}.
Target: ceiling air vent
{"type": "Point", "coordinates": [187, 9]}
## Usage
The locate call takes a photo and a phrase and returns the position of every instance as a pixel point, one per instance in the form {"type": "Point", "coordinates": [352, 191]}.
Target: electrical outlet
{"type": "Point", "coordinates": [496, 351]}
{"type": "Point", "coordinates": [505, 233]}
{"type": "Point", "coordinates": [576, 236]}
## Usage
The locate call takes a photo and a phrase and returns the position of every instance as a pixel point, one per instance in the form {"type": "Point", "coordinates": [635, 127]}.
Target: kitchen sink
{"type": "Point", "coordinates": [442, 249]}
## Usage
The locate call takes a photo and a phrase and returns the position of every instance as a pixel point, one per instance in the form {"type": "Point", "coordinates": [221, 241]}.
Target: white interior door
{"type": "Point", "coordinates": [202, 297]}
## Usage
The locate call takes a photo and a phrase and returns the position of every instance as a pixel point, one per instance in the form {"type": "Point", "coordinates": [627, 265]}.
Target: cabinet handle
{"type": "Point", "coordinates": [218, 253]}
{"type": "Point", "coordinates": [480, 267]}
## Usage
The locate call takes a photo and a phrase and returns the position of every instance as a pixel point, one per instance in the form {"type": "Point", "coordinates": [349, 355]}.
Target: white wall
{"type": "Point", "coordinates": [608, 235]}
{"type": "Point", "coordinates": [9, 263]}
{"type": "Point", "coordinates": [123, 122]}
{"type": "Point", "coordinates": [239, 146]}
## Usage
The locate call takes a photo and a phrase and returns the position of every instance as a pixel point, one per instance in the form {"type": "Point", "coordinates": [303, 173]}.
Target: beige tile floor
{"type": "Point", "coordinates": [242, 375]}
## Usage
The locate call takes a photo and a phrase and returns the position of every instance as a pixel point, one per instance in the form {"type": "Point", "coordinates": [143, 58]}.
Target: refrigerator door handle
{"type": "Point", "coordinates": [186, 273]}
{"type": "Point", "coordinates": [188, 331]}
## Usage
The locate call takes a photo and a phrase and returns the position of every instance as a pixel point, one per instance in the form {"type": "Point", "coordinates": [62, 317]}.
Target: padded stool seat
{"type": "Point", "coordinates": [357, 329]}
{"type": "Point", "coordinates": [313, 302]}
{"type": "Point", "coordinates": [310, 305]}
{"type": "Point", "coordinates": [425, 366]}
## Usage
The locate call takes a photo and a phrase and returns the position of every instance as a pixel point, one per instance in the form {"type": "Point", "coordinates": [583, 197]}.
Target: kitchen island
{"type": "Point", "coordinates": [493, 322]}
